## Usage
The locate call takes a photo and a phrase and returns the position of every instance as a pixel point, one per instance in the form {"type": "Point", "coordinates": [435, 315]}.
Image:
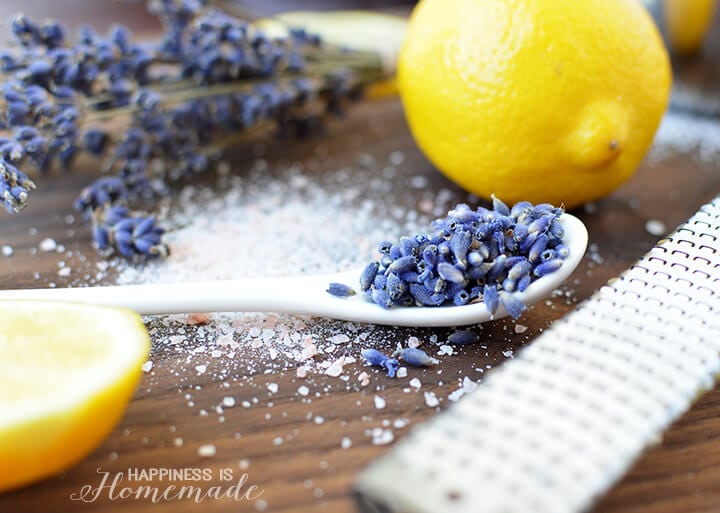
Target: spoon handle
{"type": "Point", "coordinates": [301, 294]}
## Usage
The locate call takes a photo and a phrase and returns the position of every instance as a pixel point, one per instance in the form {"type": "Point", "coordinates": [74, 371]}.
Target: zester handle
{"type": "Point", "coordinates": [552, 429]}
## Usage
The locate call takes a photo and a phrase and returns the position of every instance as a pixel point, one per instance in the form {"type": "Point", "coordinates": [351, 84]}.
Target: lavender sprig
{"type": "Point", "coordinates": [211, 75]}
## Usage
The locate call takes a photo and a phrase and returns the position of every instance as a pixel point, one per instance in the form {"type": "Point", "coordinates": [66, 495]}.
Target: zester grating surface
{"type": "Point", "coordinates": [558, 425]}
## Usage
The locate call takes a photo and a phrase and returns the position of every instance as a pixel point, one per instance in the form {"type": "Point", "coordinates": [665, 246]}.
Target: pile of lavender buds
{"type": "Point", "coordinates": [209, 77]}
{"type": "Point", "coordinates": [483, 255]}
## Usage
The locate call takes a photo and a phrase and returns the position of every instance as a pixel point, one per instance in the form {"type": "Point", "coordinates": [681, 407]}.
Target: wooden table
{"type": "Point", "coordinates": [310, 471]}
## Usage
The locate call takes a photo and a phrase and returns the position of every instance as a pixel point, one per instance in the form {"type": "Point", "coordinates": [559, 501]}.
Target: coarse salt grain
{"type": "Point", "coordinates": [415, 383]}
{"type": "Point", "coordinates": [207, 451]}
{"type": "Point", "coordinates": [6, 250]}
{"type": "Point", "coordinates": [201, 369]}
{"type": "Point", "coordinates": [382, 436]}
{"type": "Point", "coordinates": [196, 318]}
{"type": "Point", "coordinates": [379, 402]}
{"type": "Point", "coordinates": [345, 443]}
{"type": "Point", "coordinates": [228, 402]}
{"type": "Point", "coordinates": [47, 245]}
{"type": "Point", "coordinates": [178, 442]}
{"type": "Point", "coordinates": [303, 390]}
{"type": "Point", "coordinates": [400, 423]}
{"type": "Point", "coordinates": [520, 328]}
{"type": "Point", "coordinates": [456, 395]}
{"type": "Point", "coordinates": [446, 350]}
{"type": "Point", "coordinates": [339, 339]}
{"type": "Point", "coordinates": [272, 387]}
{"type": "Point", "coordinates": [655, 227]}
{"type": "Point", "coordinates": [413, 342]}
{"type": "Point", "coordinates": [431, 399]}
{"type": "Point", "coordinates": [147, 366]}
{"type": "Point", "coordinates": [402, 372]}
{"type": "Point", "coordinates": [336, 368]}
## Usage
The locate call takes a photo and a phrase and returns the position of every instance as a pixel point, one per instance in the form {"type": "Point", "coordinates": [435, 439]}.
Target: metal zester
{"type": "Point", "coordinates": [552, 429]}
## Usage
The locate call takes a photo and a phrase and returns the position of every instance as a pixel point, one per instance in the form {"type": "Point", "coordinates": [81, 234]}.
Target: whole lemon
{"type": "Point", "coordinates": [539, 100]}
{"type": "Point", "coordinates": [687, 23]}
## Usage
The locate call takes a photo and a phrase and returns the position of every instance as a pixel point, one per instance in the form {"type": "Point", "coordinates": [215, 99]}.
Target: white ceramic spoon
{"type": "Point", "coordinates": [303, 295]}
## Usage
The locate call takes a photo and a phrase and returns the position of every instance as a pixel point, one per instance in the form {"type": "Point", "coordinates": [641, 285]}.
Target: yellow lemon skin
{"type": "Point", "coordinates": [69, 372]}
{"type": "Point", "coordinates": [687, 23]}
{"type": "Point", "coordinates": [539, 100]}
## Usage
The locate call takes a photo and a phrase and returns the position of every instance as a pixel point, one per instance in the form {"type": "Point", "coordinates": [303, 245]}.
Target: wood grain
{"type": "Point", "coordinates": [309, 471]}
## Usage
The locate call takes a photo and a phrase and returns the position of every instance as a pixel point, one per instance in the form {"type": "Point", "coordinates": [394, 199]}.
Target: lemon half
{"type": "Point", "coordinates": [67, 373]}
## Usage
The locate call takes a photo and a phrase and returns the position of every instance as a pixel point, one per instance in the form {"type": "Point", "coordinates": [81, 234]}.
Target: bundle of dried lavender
{"type": "Point", "coordinates": [210, 75]}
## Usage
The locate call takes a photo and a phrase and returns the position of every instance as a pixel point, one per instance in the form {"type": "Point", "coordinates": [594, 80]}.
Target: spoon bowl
{"type": "Point", "coordinates": [305, 295]}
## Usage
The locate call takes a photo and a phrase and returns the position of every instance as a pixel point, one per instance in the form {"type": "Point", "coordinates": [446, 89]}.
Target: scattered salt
{"type": "Point", "coordinates": [64, 272]}
{"type": "Point", "coordinates": [415, 383]}
{"type": "Point", "coordinates": [228, 402]}
{"type": "Point", "coordinates": [379, 402]}
{"type": "Point", "coordinates": [201, 369]}
{"type": "Point", "coordinates": [147, 366]}
{"type": "Point", "coordinates": [178, 442]}
{"type": "Point", "coordinates": [303, 390]}
{"type": "Point", "coordinates": [345, 443]}
{"type": "Point", "coordinates": [272, 387]}
{"type": "Point", "coordinates": [6, 250]}
{"type": "Point", "coordinates": [402, 372]}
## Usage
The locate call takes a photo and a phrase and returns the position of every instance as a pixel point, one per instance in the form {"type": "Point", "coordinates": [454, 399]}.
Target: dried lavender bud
{"type": "Point", "coordinates": [471, 255]}
{"type": "Point", "coordinates": [378, 359]}
{"type": "Point", "coordinates": [548, 267]}
{"type": "Point", "coordinates": [340, 290]}
{"type": "Point", "coordinates": [382, 298]}
{"type": "Point", "coordinates": [463, 337]}
{"type": "Point", "coordinates": [391, 366]}
{"type": "Point", "coordinates": [368, 275]}
{"type": "Point", "coordinates": [374, 357]}
{"type": "Point", "coordinates": [130, 235]}
{"type": "Point", "coordinates": [416, 357]}
{"type": "Point", "coordinates": [449, 272]}
{"type": "Point", "coordinates": [490, 298]}
{"type": "Point", "coordinates": [512, 305]}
